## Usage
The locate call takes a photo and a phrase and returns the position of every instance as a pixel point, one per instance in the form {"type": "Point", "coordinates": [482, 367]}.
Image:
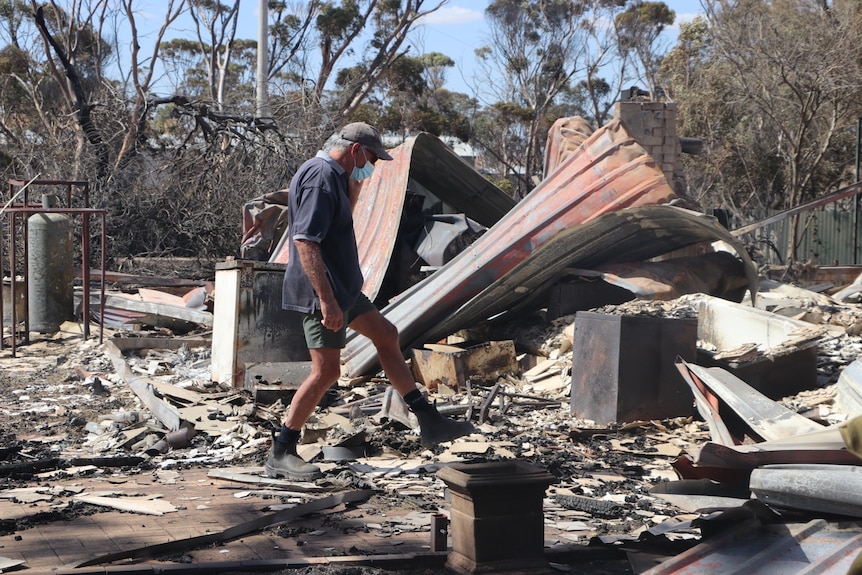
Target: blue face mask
{"type": "Point", "coordinates": [364, 172]}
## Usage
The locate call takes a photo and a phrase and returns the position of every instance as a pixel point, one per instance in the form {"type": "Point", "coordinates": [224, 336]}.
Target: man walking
{"type": "Point", "coordinates": [323, 281]}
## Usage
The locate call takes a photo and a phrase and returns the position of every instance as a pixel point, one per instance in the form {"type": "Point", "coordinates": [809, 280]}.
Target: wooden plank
{"type": "Point", "coordinates": [164, 412]}
{"type": "Point", "coordinates": [539, 369]}
{"type": "Point", "coordinates": [442, 347]}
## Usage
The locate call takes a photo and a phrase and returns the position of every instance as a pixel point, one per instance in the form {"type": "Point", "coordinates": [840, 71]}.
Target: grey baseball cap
{"type": "Point", "coordinates": [362, 133]}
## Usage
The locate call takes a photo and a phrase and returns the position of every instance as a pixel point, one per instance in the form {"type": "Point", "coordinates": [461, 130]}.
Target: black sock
{"type": "Point", "coordinates": [416, 402]}
{"type": "Point", "coordinates": [288, 435]}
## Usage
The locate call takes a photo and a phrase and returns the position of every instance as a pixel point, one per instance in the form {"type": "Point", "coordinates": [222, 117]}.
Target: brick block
{"type": "Point", "coordinates": [496, 516]}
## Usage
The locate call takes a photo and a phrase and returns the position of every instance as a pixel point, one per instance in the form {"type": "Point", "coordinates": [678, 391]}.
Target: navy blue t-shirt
{"type": "Point", "coordinates": [319, 211]}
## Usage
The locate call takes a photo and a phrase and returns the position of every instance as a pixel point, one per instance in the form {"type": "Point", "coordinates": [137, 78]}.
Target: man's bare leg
{"type": "Point", "coordinates": [283, 461]}
{"type": "Point", "coordinates": [434, 428]}
{"type": "Point", "coordinates": [325, 370]}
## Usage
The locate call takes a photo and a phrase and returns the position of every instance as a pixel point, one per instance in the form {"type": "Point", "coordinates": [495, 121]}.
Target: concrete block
{"type": "Point", "coordinates": [648, 141]}
{"type": "Point", "coordinates": [651, 106]}
{"type": "Point", "coordinates": [624, 367]}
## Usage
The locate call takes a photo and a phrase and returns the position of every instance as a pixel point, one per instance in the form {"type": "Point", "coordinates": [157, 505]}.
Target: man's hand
{"type": "Point", "coordinates": [333, 317]}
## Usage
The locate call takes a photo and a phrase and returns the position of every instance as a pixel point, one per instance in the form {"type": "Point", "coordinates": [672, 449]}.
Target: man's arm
{"type": "Point", "coordinates": [312, 263]}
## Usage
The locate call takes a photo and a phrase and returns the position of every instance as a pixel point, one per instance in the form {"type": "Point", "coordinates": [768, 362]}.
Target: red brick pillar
{"type": "Point", "coordinates": [496, 517]}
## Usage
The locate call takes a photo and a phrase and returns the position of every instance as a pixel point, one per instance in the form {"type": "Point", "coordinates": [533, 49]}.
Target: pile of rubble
{"type": "Point", "coordinates": [619, 349]}
{"type": "Point", "coordinates": [78, 409]}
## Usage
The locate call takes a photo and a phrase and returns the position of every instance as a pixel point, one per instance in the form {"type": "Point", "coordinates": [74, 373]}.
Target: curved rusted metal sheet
{"type": "Point", "coordinates": [631, 235]}
{"type": "Point", "coordinates": [609, 172]}
{"type": "Point", "coordinates": [564, 138]}
{"type": "Point", "coordinates": [430, 163]}
{"type": "Point", "coordinates": [757, 548]}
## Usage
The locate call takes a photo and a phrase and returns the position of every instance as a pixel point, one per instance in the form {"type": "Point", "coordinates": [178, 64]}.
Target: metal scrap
{"type": "Point", "coordinates": [765, 419]}
{"type": "Point", "coordinates": [527, 227]}
{"type": "Point", "coordinates": [756, 549]}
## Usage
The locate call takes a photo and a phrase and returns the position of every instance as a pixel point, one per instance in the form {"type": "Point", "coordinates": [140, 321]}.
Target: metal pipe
{"type": "Point", "coordinates": [845, 192]}
{"type": "Point", "coordinates": [102, 281]}
{"type": "Point", "coordinates": [85, 273]}
{"type": "Point", "coordinates": [857, 198]}
{"type": "Point", "coordinates": [13, 291]}
{"type": "Point", "coordinates": [262, 59]}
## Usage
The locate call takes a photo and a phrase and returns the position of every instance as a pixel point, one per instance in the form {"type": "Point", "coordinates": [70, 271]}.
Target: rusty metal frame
{"type": "Point", "coordinates": [24, 209]}
{"type": "Point", "coordinates": [68, 184]}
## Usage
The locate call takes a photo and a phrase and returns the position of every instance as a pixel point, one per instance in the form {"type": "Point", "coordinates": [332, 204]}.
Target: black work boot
{"type": "Point", "coordinates": [283, 461]}
{"type": "Point", "coordinates": [434, 428]}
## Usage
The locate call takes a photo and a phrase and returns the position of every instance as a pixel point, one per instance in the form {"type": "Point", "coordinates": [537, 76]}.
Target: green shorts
{"type": "Point", "coordinates": [317, 336]}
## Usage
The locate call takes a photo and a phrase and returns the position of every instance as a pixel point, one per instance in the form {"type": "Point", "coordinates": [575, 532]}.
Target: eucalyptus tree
{"type": "Point", "coordinates": [774, 88]}
{"type": "Point", "coordinates": [410, 98]}
{"type": "Point", "coordinates": [62, 64]}
{"type": "Point", "coordinates": [55, 65]}
{"type": "Point", "coordinates": [546, 57]}
{"type": "Point", "coordinates": [215, 28]}
{"type": "Point", "coordinates": [639, 28]}
{"type": "Point", "coordinates": [535, 48]}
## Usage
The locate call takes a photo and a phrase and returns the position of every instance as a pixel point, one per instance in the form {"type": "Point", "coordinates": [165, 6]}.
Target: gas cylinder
{"type": "Point", "coordinates": [50, 289]}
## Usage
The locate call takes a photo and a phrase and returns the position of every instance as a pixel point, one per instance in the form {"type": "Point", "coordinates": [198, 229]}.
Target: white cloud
{"type": "Point", "coordinates": [452, 15]}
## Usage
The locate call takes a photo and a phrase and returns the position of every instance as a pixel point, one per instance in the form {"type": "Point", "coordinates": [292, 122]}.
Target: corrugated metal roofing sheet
{"type": "Point", "coordinates": [634, 234]}
{"type": "Point", "coordinates": [781, 549]}
{"type": "Point", "coordinates": [609, 172]}
{"type": "Point", "coordinates": [430, 163]}
{"type": "Point", "coordinates": [820, 488]}
{"type": "Point", "coordinates": [564, 138]}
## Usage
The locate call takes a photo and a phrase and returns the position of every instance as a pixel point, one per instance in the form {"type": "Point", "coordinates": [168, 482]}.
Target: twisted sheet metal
{"type": "Point", "coordinates": [424, 162]}
{"type": "Point", "coordinates": [630, 235]}
{"type": "Point", "coordinates": [777, 549]}
{"type": "Point", "coordinates": [609, 172]}
{"type": "Point", "coordinates": [564, 139]}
